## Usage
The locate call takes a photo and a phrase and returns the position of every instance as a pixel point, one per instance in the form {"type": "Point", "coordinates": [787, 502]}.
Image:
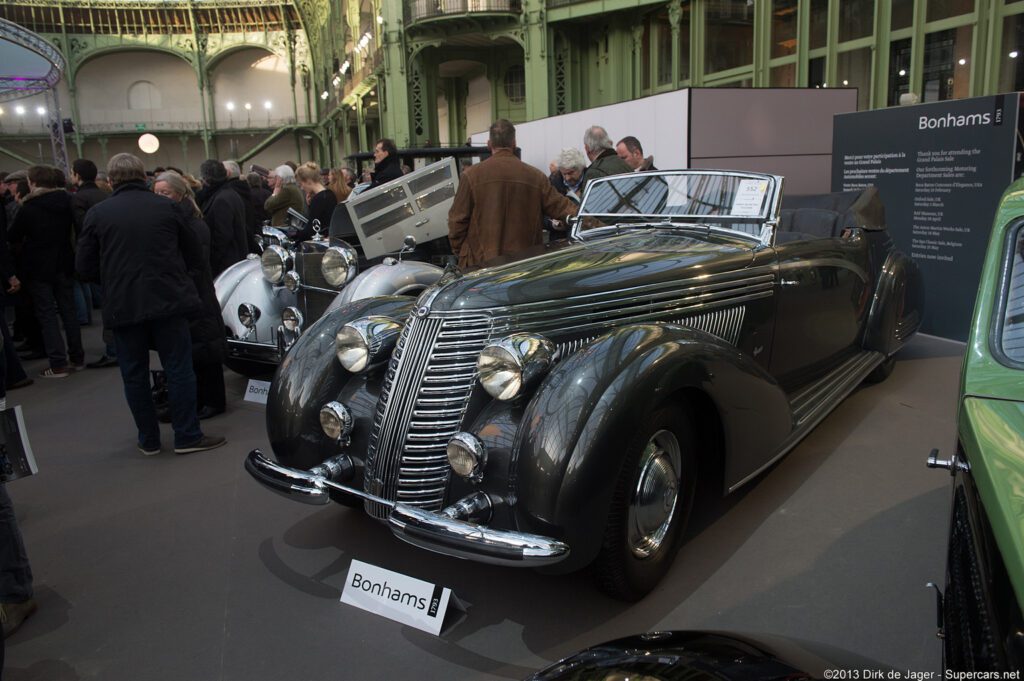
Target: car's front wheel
{"type": "Point", "coordinates": [650, 505]}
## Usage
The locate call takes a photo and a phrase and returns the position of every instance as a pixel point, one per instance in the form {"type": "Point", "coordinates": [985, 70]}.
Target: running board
{"type": "Point", "coordinates": [817, 400]}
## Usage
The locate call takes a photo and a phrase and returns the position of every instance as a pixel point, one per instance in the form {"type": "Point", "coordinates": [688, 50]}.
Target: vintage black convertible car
{"type": "Point", "coordinates": [558, 410]}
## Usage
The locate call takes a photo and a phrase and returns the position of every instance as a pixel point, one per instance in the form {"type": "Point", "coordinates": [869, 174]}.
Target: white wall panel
{"type": "Point", "coordinates": [659, 122]}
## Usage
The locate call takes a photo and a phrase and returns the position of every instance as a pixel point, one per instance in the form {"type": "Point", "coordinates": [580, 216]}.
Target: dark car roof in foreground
{"type": "Point", "coordinates": [704, 654]}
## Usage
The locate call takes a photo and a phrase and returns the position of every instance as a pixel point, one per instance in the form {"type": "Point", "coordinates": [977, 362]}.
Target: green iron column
{"type": "Point", "coordinates": [675, 15]}
{"type": "Point", "coordinates": [535, 59]}
{"type": "Point", "coordinates": [395, 112]}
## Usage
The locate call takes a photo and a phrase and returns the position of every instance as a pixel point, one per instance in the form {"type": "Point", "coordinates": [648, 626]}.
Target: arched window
{"type": "Point", "coordinates": [143, 95]}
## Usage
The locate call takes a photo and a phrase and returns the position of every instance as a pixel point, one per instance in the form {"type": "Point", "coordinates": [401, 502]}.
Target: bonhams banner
{"type": "Point", "coordinates": [940, 169]}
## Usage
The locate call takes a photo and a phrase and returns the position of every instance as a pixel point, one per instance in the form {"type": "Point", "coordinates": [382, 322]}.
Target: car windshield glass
{"type": "Point", "coordinates": [1013, 315]}
{"type": "Point", "coordinates": [681, 195]}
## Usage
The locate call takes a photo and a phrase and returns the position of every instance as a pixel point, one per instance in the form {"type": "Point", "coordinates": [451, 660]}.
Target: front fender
{"type": "Point", "coordinates": [396, 279]}
{"type": "Point", "coordinates": [576, 427]}
{"type": "Point", "coordinates": [897, 307]}
{"type": "Point", "coordinates": [243, 282]}
{"type": "Point", "coordinates": [310, 376]}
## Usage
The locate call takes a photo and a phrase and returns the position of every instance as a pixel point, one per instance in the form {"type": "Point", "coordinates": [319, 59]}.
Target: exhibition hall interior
{"type": "Point", "coordinates": [511, 339]}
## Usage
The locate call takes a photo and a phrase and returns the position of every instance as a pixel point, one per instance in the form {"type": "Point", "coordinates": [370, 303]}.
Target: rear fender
{"type": "Point", "coordinates": [575, 428]}
{"type": "Point", "coordinates": [310, 376]}
{"type": "Point", "coordinates": [897, 306]}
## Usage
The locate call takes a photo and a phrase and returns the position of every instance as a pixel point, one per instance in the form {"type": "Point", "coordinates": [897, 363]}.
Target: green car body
{"type": "Point", "coordinates": [981, 619]}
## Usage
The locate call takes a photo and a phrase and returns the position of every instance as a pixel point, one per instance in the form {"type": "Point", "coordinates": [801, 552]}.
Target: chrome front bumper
{"type": "Point", "coordinates": [267, 353]}
{"type": "Point", "coordinates": [432, 531]}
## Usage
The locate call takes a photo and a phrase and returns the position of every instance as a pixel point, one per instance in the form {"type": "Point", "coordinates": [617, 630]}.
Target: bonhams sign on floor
{"type": "Point", "coordinates": [399, 597]}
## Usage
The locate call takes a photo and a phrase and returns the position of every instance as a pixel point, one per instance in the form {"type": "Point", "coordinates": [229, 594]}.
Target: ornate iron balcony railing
{"type": "Point", "coordinates": [418, 10]}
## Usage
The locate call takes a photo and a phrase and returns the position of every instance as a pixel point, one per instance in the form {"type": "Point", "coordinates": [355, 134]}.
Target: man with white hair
{"type": "Point", "coordinates": [285, 195]}
{"type": "Point", "coordinates": [572, 166]}
{"type": "Point", "coordinates": [601, 152]}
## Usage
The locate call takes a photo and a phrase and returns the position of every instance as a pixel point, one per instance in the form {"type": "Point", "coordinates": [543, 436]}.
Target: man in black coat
{"type": "Point", "coordinates": [240, 186]}
{"type": "Point", "coordinates": [43, 229]}
{"type": "Point", "coordinates": [224, 214]}
{"type": "Point", "coordinates": [386, 164]}
{"type": "Point", "coordinates": [144, 268]}
{"type": "Point", "coordinates": [87, 195]}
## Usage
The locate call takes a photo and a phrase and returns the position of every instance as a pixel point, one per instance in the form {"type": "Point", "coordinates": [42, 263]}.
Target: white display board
{"type": "Point", "coordinates": [659, 122]}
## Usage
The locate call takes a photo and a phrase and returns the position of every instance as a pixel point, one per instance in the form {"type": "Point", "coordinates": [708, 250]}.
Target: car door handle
{"type": "Point", "coordinates": [422, 222]}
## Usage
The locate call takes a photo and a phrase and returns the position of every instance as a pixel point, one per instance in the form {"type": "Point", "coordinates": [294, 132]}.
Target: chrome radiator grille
{"type": "Point", "coordinates": [423, 400]}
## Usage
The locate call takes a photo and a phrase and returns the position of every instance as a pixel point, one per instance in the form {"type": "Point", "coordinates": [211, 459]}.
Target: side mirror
{"type": "Point", "coordinates": [409, 242]}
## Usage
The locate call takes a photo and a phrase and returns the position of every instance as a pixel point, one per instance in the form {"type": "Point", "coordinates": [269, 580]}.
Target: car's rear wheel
{"type": "Point", "coordinates": [650, 506]}
{"type": "Point", "coordinates": [969, 643]}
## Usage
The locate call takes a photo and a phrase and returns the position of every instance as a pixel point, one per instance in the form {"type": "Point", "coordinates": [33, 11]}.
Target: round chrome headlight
{"type": "Point", "coordinates": [291, 318]}
{"type": "Point", "coordinates": [336, 420]}
{"type": "Point", "coordinates": [468, 456]}
{"type": "Point", "coordinates": [514, 364]}
{"type": "Point", "coordinates": [340, 265]}
{"type": "Point", "coordinates": [365, 342]}
{"type": "Point", "coordinates": [292, 281]}
{"type": "Point", "coordinates": [275, 261]}
{"type": "Point", "coordinates": [248, 315]}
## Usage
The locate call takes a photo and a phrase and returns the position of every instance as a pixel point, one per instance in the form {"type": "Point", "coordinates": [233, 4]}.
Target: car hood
{"type": "Point", "coordinates": [637, 258]}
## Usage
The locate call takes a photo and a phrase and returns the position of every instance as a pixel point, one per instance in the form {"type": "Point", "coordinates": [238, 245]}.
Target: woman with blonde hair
{"type": "Point", "coordinates": [338, 184]}
{"type": "Point", "coordinates": [321, 203]}
{"type": "Point", "coordinates": [205, 326]}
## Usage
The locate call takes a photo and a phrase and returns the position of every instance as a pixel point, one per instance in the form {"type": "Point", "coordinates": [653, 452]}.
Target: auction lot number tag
{"type": "Point", "coordinates": [396, 596]}
{"type": "Point", "coordinates": [256, 391]}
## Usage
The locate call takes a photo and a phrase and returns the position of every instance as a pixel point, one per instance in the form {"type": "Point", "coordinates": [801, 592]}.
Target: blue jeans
{"type": "Point", "coordinates": [15, 572]}
{"type": "Point", "coordinates": [83, 303]}
{"type": "Point", "coordinates": [170, 338]}
{"type": "Point", "coordinates": [55, 303]}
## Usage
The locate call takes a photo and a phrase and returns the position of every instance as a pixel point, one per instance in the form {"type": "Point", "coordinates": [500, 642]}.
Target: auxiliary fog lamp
{"type": "Point", "coordinates": [468, 456]}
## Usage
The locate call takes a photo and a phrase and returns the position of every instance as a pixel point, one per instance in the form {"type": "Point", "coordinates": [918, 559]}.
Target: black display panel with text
{"type": "Point", "coordinates": [941, 169]}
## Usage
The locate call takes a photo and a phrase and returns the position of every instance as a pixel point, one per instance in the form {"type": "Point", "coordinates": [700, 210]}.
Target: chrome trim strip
{"type": "Point", "coordinates": [826, 262]}
{"type": "Point", "coordinates": [840, 383]}
{"type": "Point", "coordinates": [331, 291]}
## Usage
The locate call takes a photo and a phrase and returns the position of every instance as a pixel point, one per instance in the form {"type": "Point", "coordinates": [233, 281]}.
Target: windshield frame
{"type": "Point", "coordinates": [769, 216]}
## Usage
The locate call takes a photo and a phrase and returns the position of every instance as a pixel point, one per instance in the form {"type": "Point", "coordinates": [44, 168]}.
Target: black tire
{"type": "Point", "coordinates": [969, 642]}
{"type": "Point", "coordinates": [882, 371]}
{"type": "Point", "coordinates": [640, 539]}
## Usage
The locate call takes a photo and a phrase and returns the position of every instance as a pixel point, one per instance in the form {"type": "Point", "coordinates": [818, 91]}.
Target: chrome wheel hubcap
{"type": "Point", "coordinates": [655, 496]}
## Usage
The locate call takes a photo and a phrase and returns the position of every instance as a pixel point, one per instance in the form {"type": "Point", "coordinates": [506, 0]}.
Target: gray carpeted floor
{"type": "Point", "coordinates": [182, 568]}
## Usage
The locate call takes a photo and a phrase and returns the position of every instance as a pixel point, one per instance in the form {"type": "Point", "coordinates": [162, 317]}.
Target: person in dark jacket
{"type": "Point", "coordinates": [12, 374]}
{"type": "Point", "coordinates": [386, 164]}
{"type": "Point", "coordinates": [603, 159]}
{"type": "Point", "coordinates": [44, 229]}
{"type": "Point", "coordinates": [241, 187]}
{"type": "Point", "coordinates": [321, 203]}
{"type": "Point", "coordinates": [88, 194]}
{"type": "Point", "coordinates": [144, 268]}
{"type": "Point", "coordinates": [258, 195]}
{"type": "Point", "coordinates": [631, 151]}
{"type": "Point", "coordinates": [205, 326]}
{"type": "Point", "coordinates": [225, 216]}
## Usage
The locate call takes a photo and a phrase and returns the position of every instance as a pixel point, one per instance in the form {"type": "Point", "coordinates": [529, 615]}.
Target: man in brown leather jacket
{"type": "Point", "coordinates": [500, 203]}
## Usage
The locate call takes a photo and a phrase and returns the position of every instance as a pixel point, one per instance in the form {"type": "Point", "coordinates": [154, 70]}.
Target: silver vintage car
{"type": "Point", "coordinates": [267, 301]}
